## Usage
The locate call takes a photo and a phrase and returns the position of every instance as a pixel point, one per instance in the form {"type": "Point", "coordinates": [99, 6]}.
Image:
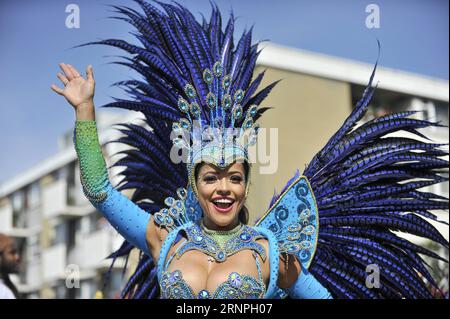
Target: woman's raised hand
{"type": "Point", "coordinates": [78, 91]}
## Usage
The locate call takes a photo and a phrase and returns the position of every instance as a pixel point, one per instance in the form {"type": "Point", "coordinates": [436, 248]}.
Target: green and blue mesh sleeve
{"type": "Point", "coordinates": [124, 215]}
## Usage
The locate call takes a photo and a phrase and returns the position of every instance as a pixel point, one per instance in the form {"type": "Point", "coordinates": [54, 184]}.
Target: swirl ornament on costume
{"type": "Point", "coordinates": [293, 220]}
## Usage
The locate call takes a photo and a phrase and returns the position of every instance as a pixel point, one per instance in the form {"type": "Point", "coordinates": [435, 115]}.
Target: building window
{"type": "Point", "coordinates": [34, 195]}
{"type": "Point", "coordinates": [33, 248]}
{"type": "Point", "coordinates": [18, 204]}
{"type": "Point", "coordinates": [60, 234]}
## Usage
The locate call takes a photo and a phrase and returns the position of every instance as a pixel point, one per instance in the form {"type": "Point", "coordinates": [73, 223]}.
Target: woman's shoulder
{"type": "Point", "coordinates": [263, 234]}
{"type": "Point", "coordinates": [261, 237]}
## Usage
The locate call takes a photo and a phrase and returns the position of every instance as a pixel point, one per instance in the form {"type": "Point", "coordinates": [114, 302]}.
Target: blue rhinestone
{"type": "Point", "coordinates": [248, 123]}
{"type": "Point", "coordinates": [211, 100]}
{"type": "Point", "coordinates": [195, 109]}
{"type": "Point", "coordinates": [235, 279]}
{"type": "Point", "coordinates": [169, 201]}
{"type": "Point", "coordinates": [221, 255]}
{"type": "Point", "coordinates": [183, 105]}
{"type": "Point", "coordinates": [238, 96]}
{"type": "Point", "coordinates": [226, 102]}
{"type": "Point", "coordinates": [181, 192]}
{"type": "Point", "coordinates": [306, 244]}
{"type": "Point", "coordinates": [176, 127]}
{"type": "Point", "coordinates": [253, 110]}
{"type": "Point", "coordinates": [190, 91]}
{"type": "Point", "coordinates": [217, 68]}
{"type": "Point", "coordinates": [173, 212]}
{"type": "Point", "coordinates": [226, 82]}
{"type": "Point", "coordinates": [237, 112]}
{"type": "Point", "coordinates": [245, 236]}
{"type": "Point", "coordinates": [230, 292]}
{"type": "Point", "coordinates": [207, 76]}
{"type": "Point", "coordinates": [185, 124]}
{"type": "Point", "coordinates": [203, 294]}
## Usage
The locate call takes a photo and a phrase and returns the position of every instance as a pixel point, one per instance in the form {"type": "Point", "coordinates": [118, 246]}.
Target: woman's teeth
{"type": "Point", "coordinates": [223, 203]}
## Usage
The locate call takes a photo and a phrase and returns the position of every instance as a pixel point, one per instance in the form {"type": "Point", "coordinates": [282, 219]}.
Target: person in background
{"type": "Point", "coordinates": [9, 264]}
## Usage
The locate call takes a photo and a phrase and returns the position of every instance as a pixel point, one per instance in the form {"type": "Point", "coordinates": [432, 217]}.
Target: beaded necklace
{"type": "Point", "coordinates": [221, 236]}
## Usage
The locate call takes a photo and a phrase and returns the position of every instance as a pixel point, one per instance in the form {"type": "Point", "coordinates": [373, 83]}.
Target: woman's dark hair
{"type": "Point", "coordinates": [243, 214]}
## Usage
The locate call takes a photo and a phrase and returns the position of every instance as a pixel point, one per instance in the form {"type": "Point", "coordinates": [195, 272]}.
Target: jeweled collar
{"type": "Point", "coordinates": [221, 236]}
{"type": "Point", "coordinates": [240, 238]}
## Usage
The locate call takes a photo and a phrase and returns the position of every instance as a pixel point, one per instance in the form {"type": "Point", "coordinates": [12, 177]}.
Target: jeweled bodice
{"type": "Point", "coordinates": [237, 286]}
{"type": "Point", "coordinates": [241, 286]}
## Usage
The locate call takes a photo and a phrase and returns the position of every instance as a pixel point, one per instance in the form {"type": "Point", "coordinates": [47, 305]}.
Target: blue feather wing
{"type": "Point", "coordinates": [368, 186]}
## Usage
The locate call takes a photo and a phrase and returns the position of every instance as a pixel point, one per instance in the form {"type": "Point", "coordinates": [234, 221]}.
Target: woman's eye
{"type": "Point", "coordinates": [236, 178]}
{"type": "Point", "coordinates": [209, 179]}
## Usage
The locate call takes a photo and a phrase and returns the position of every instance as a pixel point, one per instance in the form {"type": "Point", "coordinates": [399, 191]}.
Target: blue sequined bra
{"type": "Point", "coordinates": [237, 286]}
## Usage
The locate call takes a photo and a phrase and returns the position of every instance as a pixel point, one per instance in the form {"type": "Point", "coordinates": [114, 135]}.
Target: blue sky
{"type": "Point", "coordinates": [34, 39]}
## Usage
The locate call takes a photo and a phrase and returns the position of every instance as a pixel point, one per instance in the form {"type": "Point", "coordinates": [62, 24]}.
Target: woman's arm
{"type": "Point", "coordinates": [133, 223]}
{"type": "Point", "coordinates": [298, 282]}
{"type": "Point", "coordinates": [292, 277]}
{"type": "Point", "coordinates": [290, 269]}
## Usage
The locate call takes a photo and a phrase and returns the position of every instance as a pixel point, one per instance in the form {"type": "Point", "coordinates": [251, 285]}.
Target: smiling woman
{"type": "Point", "coordinates": [189, 219]}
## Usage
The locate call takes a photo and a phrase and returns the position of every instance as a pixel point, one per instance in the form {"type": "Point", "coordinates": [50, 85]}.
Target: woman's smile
{"type": "Point", "coordinates": [223, 205]}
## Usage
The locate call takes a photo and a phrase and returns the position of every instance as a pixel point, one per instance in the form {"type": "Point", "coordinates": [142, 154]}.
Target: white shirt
{"type": "Point", "coordinates": [5, 292]}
